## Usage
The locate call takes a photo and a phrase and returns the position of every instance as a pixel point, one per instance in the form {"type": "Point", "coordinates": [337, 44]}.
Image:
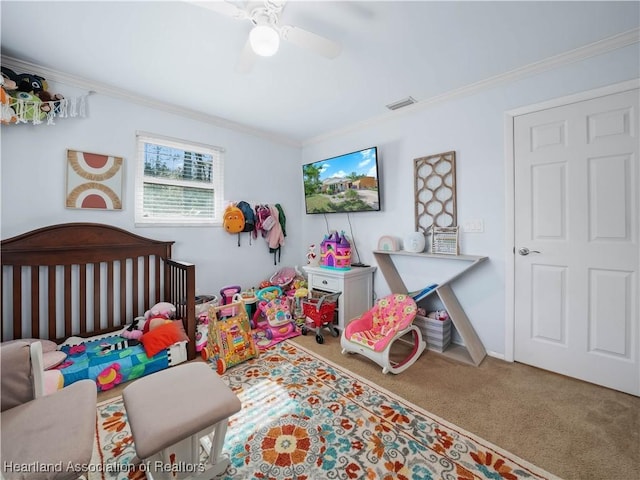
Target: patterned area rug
{"type": "Point", "coordinates": [307, 419]}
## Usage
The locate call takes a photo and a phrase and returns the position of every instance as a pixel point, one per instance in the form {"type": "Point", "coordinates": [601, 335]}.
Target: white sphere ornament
{"type": "Point", "coordinates": [414, 242]}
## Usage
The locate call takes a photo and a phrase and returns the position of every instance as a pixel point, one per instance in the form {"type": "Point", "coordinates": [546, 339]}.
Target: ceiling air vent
{"type": "Point", "coordinates": [405, 102]}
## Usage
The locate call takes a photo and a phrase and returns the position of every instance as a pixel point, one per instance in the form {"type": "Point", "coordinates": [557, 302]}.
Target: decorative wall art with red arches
{"type": "Point", "coordinates": [94, 181]}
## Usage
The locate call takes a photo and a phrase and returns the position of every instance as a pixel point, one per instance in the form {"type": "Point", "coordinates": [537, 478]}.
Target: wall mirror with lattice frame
{"type": "Point", "coordinates": [435, 191]}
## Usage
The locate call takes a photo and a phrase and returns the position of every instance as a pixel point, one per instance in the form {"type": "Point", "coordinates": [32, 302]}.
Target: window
{"type": "Point", "coordinates": [178, 183]}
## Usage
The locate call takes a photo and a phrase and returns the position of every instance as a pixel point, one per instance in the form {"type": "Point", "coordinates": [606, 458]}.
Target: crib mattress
{"type": "Point", "coordinates": [94, 360]}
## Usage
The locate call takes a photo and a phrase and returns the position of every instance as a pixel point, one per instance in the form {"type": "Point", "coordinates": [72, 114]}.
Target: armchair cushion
{"type": "Point", "coordinates": [16, 382]}
{"type": "Point", "coordinates": [47, 345]}
{"type": "Point", "coordinates": [51, 428]}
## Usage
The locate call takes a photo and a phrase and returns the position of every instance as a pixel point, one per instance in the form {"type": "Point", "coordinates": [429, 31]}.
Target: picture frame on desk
{"type": "Point", "coordinates": [444, 240]}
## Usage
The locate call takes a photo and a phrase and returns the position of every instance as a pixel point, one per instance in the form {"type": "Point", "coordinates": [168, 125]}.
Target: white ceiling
{"type": "Point", "coordinates": [185, 55]}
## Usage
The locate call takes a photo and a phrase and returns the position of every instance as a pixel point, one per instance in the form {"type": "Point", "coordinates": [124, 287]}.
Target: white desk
{"type": "Point", "coordinates": [355, 284]}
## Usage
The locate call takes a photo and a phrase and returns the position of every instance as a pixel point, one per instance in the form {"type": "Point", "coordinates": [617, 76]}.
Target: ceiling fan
{"type": "Point", "coordinates": [264, 38]}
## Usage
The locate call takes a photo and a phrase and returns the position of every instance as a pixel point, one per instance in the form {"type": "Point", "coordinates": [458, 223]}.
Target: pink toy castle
{"type": "Point", "coordinates": [335, 251]}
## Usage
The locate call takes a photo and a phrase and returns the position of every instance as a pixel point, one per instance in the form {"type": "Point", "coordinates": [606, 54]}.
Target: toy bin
{"type": "Point", "coordinates": [203, 302]}
{"type": "Point", "coordinates": [320, 312]}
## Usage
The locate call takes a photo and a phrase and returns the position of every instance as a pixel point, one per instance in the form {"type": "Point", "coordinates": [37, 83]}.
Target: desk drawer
{"type": "Point", "coordinates": [325, 283]}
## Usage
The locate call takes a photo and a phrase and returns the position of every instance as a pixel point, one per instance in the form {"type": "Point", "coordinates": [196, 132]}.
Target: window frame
{"type": "Point", "coordinates": [216, 185]}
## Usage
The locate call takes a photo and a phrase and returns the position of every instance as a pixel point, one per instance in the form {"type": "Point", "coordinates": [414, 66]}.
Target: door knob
{"type": "Point", "coordinates": [525, 251]}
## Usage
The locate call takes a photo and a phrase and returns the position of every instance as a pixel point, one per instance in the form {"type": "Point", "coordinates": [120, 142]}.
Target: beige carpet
{"type": "Point", "coordinates": [570, 428]}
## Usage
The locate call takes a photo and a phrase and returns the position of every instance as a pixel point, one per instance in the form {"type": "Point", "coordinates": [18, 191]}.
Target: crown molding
{"type": "Point", "coordinates": [581, 53]}
{"type": "Point", "coordinates": [600, 47]}
{"type": "Point", "coordinates": [94, 87]}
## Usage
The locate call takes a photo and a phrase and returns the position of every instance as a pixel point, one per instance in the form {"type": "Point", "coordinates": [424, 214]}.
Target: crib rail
{"type": "Point", "coordinates": [180, 290]}
{"type": "Point", "coordinates": [87, 279]}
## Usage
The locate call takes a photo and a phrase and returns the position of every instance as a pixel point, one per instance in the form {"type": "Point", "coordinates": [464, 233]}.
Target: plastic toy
{"type": "Point", "coordinates": [229, 339]}
{"type": "Point", "coordinates": [274, 307]}
{"type": "Point", "coordinates": [335, 251]}
{"type": "Point", "coordinates": [203, 302]}
{"type": "Point", "coordinates": [319, 310]}
{"type": "Point", "coordinates": [439, 315]}
{"type": "Point", "coordinates": [298, 295]}
{"type": "Point", "coordinates": [228, 295]}
{"type": "Point", "coordinates": [283, 277]}
{"type": "Point", "coordinates": [249, 298]}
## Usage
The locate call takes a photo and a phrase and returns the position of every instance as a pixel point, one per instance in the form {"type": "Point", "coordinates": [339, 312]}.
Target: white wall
{"type": "Point", "coordinates": [33, 168]}
{"type": "Point", "coordinates": [33, 172]}
{"type": "Point", "coordinates": [473, 126]}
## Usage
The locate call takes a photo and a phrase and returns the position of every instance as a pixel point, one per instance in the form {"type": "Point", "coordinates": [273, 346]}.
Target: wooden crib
{"type": "Point", "coordinates": [86, 279]}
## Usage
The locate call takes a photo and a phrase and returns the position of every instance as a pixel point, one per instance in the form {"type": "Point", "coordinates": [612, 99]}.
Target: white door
{"type": "Point", "coordinates": [577, 211]}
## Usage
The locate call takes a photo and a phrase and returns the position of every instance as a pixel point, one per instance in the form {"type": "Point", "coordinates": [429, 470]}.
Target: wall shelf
{"type": "Point", "coordinates": [473, 351]}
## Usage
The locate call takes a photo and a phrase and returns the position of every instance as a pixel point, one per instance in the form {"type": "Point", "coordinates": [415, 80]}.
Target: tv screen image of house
{"type": "Point", "coordinates": [342, 184]}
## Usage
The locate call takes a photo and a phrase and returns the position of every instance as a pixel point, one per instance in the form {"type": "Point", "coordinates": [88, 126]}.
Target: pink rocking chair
{"type": "Point", "coordinates": [373, 334]}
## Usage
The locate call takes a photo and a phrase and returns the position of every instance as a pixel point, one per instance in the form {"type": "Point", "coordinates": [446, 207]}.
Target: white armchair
{"type": "Point", "coordinates": [42, 436]}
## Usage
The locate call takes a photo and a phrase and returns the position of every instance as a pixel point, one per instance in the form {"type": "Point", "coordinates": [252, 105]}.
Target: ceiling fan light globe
{"type": "Point", "coordinates": [264, 40]}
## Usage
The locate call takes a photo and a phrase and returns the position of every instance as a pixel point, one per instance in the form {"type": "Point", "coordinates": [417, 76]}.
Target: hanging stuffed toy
{"type": "Point", "coordinates": [26, 98]}
{"type": "Point", "coordinates": [7, 113]}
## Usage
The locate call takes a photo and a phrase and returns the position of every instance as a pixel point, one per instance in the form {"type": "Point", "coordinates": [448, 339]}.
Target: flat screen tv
{"type": "Point", "coordinates": [343, 184]}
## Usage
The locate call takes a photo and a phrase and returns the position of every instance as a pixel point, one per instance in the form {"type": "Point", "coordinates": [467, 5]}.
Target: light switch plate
{"type": "Point", "coordinates": [473, 226]}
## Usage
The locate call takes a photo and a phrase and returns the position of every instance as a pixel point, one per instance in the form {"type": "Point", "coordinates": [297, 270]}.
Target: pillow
{"type": "Point", "coordinates": [15, 381]}
{"type": "Point", "coordinates": [160, 338]}
{"type": "Point", "coordinates": [183, 335]}
{"type": "Point", "coordinates": [53, 359]}
{"type": "Point", "coordinates": [47, 345]}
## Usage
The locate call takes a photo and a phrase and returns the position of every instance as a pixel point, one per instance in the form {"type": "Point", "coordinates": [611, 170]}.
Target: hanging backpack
{"type": "Point", "coordinates": [233, 220]}
{"type": "Point", "coordinates": [249, 220]}
{"type": "Point", "coordinates": [265, 221]}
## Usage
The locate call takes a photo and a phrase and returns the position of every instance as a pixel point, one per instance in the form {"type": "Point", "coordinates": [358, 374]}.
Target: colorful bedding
{"type": "Point", "coordinates": [108, 368]}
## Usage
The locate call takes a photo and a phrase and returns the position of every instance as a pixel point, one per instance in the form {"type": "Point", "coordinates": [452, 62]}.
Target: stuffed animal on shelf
{"type": "Point", "coordinates": [7, 85]}
{"type": "Point", "coordinates": [28, 82]}
{"type": "Point", "coordinates": [8, 114]}
{"type": "Point", "coordinates": [8, 82]}
{"type": "Point", "coordinates": [50, 101]}
{"type": "Point", "coordinates": [31, 100]}
{"type": "Point", "coordinates": [25, 102]}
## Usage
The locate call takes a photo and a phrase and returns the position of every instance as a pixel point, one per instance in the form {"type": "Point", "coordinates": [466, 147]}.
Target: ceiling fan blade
{"type": "Point", "coordinates": [247, 59]}
{"type": "Point", "coordinates": [225, 8]}
{"type": "Point", "coordinates": [316, 43]}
